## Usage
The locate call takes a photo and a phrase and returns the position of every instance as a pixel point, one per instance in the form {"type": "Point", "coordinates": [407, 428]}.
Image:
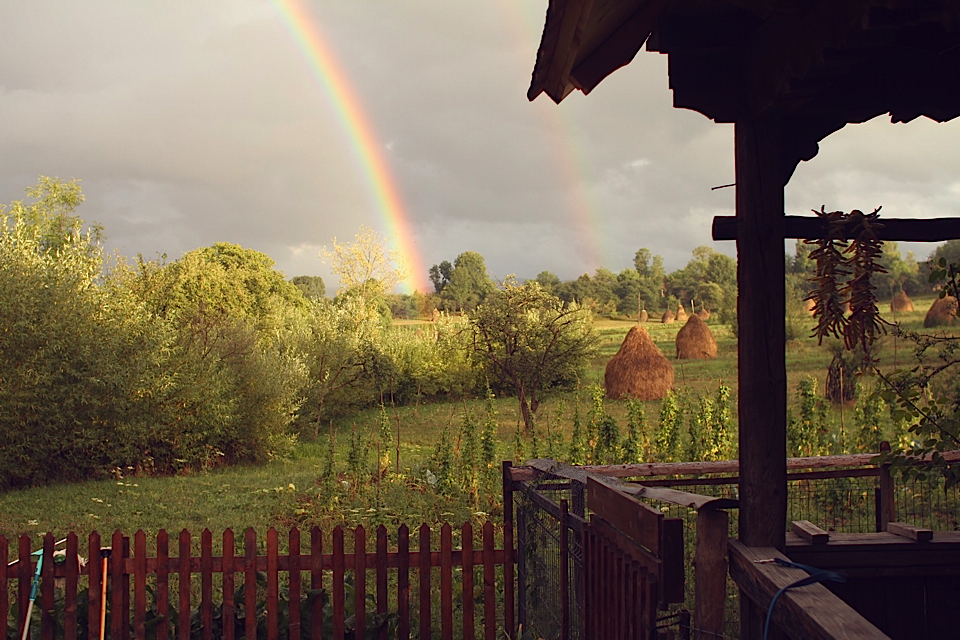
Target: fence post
{"type": "Point", "coordinates": [888, 509]}
{"type": "Point", "coordinates": [509, 600]}
{"type": "Point", "coordinates": [710, 567]}
{"type": "Point", "coordinates": [564, 572]}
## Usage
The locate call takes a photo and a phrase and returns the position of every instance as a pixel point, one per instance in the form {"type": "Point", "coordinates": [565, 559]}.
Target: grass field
{"type": "Point", "coordinates": [275, 493]}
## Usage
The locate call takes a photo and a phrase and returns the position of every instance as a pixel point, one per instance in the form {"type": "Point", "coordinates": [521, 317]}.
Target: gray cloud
{"type": "Point", "coordinates": [192, 123]}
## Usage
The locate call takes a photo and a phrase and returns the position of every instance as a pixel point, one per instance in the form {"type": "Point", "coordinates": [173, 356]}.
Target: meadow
{"type": "Point", "coordinates": [298, 489]}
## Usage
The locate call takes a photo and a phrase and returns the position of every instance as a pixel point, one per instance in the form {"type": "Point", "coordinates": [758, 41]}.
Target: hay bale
{"type": "Point", "coordinates": [704, 314]}
{"type": "Point", "coordinates": [808, 306]}
{"type": "Point", "coordinates": [668, 317]}
{"type": "Point", "coordinates": [681, 314]}
{"type": "Point", "coordinates": [644, 316]}
{"type": "Point", "coordinates": [942, 313]}
{"type": "Point", "coordinates": [901, 303]}
{"type": "Point", "coordinates": [638, 370]}
{"type": "Point", "coordinates": [695, 341]}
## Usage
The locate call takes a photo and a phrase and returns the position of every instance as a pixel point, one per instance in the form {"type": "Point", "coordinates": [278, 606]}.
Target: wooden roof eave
{"type": "Point", "coordinates": [584, 41]}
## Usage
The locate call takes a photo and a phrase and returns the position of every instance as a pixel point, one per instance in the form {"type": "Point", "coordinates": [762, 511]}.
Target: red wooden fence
{"type": "Point", "coordinates": [325, 570]}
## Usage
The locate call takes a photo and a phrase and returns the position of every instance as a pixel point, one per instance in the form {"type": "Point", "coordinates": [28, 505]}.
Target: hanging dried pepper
{"type": "Point", "coordinates": [832, 267]}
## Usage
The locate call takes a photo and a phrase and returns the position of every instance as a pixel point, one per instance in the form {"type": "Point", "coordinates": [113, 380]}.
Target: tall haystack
{"type": "Point", "coordinates": [644, 316]}
{"type": "Point", "coordinates": [638, 369]}
{"type": "Point", "coordinates": [704, 314]}
{"type": "Point", "coordinates": [695, 341]}
{"type": "Point", "coordinates": [668, 317]}
{"type": "Point", "coordinates": [901, 303]}
{"type": "Point", "coordinates": [681, 314]}
{"type": "Point", "coordinates": [943, 313]}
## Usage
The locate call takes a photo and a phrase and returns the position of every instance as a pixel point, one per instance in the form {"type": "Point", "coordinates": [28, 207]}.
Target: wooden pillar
{"type": "Point", "coordinates": [761, 309]}
{"type": "Point", "coordinates": [762, 399]}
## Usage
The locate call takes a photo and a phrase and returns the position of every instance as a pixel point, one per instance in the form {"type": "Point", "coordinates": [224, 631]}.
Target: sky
{"type": "Point", "coordinates": [203, 121]}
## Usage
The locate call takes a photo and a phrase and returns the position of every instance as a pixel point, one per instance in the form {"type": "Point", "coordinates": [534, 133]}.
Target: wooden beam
{"type": "Point", "coordinates": [809, 532]}
{"type": "Point", "coordinates": [900, 229]}
{"type": "Point", "coordinates": [710, 566]}
{"type": "Point", "coordinates": [919, 534]}
{"type": "Point", "coordinates": [806, 612]}
{"type": "Point", "coordinates": [762, 372]}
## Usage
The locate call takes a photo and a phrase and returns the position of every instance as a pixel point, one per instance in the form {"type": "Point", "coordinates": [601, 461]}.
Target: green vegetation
{"type": "Point", "coordinates": [209, 391]}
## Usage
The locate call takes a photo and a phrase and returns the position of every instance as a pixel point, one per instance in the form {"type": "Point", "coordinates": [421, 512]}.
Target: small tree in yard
{"type": "Point", "coordinates": [531, 342]}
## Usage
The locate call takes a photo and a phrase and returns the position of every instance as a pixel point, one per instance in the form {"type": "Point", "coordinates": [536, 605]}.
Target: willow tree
{"type": "Point", "coordinates": [532, 342]}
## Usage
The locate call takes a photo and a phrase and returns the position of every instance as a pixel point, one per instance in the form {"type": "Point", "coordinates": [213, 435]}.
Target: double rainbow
{"type": "Point", "coordinates": [360, 134]}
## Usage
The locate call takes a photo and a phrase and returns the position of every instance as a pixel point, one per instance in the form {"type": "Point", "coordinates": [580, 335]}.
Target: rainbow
{"type": "Point", "coordinates": [360, 134]}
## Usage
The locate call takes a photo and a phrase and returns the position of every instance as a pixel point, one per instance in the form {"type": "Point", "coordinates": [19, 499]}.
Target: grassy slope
{"type": "Point", "coordinates": [259, 497]}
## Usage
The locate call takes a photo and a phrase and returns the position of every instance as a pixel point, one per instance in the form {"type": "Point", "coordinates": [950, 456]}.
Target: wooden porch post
{"type": "Point", "coordinates": [762, 398]}
{"type": "Point", "coordinates": [762, 364]}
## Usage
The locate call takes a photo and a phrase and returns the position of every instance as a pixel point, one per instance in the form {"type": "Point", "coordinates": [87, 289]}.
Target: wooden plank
{"type": "Point", "coordinates": [509, 621]}
{"type": "Point", "coordinates": [139, 584]}
{"type": "Point", "coordinates": [293, 589]}
{"type": "Point", "coordinates": [710, 567]}
{"type": "Point", "coordinates": [489, 584]}
{"type": "Point", "coordinates": [25, 570]}
{"type": "Point", "coordinates": [919, 534]}
{"type": "Point", "coordinates": [809, 227]}
{"type": "Point", "coordinates": [250, 583]}
{"type": "Point", "coordinates": [809, 532]}
{"type": "Point", "coordinates": [228, 609]}
{"type": "Point", "coordinates": [808, 612]}
{"type": "Point", "coordinates": [403, 583]}
{"type": "Point", "coordinates": [72, 569]}
{"type": "Point", "coordinates": [183, 586]}
{"type": "Point", "coordinates": [673, 572]}
{"type": "Point", "coordinates": [636, 520]}
{"type": "Point", "coordinates": [206, 583]}
{"type": "Point", "coordinates": [338, 594]}
{"type": "Point", "coordinates": [381, 565]}
{"type": "Point", "coordinates": [762, 401]}
{"type": "Point", "coordinates": [4, 582]}
{"type": "Point", "coordinates": [425, 613]}
{"type": "Point", "coordinates": [125, 588]}
{"type": "Point", "coordinates": [360, 581]}
{"type": "Point", "coordinates": [446, 581]}
{"type": "Point", "coordinates": [466, 538]}
{"type": "Point", "coordinates": [163, 584]}
{"type": "Point", "coordinates": [273, 584]}
{"type": "Point", "coordinates": [46, 589]}
{"type": "Point", "coordinates": [316, 582]}
{"type": "Point", "coordinates": [116, 585]}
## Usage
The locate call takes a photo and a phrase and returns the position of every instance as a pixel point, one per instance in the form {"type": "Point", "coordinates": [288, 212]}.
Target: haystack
{"type": "Point", "coordinates": [668, 317]}
{"type": "Point", "coordinates": [644, 316]}
{"type": "Point", "coordinates": [943, 313]}
{"type": "Point", "coordinates": [809, 305]}
{"type": "Point", "coordinates": [681, 314]}
{"type": "Point", "coordinates": [704, 314]}
{"type": "Point", "coordinates": [901, 303]}
{"type": "Point", "coordinates": [695, 341]}
{"type": "Point", "coordinates": [638, 369]}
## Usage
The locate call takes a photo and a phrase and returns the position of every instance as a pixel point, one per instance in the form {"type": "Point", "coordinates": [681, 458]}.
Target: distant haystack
{"type": "Point", "coordinates": [695, 341]}
{"type": "Point", "coordinates": [704, 314]}
{"type": "Point", "coordinates": [668, 317]}
{"type": "Point", "coordinates": [644, 316]}
{"type": "Point", "coordinates": [638, 370]}
{"type": "Point", "coordinates": [681, 314]}
{"type": "Point", "coordinates": [943, 313]}
{"type": "Point", "coordinates": [809, 305]}
{"type": "Point", "coordinates": [901, 303]}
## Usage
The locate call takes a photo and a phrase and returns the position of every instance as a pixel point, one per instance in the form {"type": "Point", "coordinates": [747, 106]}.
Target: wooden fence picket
{"type": "Point", "coordinates": [127, 615]}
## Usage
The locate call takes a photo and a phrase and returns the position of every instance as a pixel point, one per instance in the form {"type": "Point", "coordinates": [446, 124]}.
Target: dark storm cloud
{"type": "Point", "coordinates": [197, 122]}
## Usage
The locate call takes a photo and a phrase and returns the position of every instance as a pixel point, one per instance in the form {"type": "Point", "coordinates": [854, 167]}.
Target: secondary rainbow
{"type": "Point", "coordinates": [361, 137]}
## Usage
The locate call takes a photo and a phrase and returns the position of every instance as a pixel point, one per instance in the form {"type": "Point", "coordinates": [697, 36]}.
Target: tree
{"type": "Point", "coordinates": [548, 280]}
{"type": "Point", "coordinates": [367, 266]}
{"type": "Point", "coordinates": [710, 279]}
{"type": "Point", "coordinates": [440, 275]}
{"type": "Point", "coordinates": [312, 287]}
{"type": "Point", "coordinates": [531, 342]}
{"type": "Point", "coordinates": [469, 282]}
{"type": "Point", "coordinates": [628, 290]}
{"type": "Point", "coordinates": [650, 269]}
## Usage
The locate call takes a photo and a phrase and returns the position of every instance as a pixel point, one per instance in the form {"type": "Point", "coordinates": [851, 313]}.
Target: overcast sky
{"type": "Point", "coordinates": [194, 122]}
